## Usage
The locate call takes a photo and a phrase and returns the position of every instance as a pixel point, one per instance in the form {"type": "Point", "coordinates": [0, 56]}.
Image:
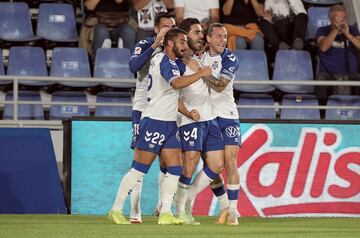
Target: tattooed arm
{"type": "Point", "coordinates": [217, 84]}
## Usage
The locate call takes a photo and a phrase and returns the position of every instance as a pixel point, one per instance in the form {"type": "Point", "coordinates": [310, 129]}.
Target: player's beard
{"type": "Point", "coordinates": [177, 52]}
{"type": "Point", "coordinates": [193, 45]}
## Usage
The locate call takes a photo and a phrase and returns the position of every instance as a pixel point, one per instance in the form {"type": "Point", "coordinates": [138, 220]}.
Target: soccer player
{"type": "Point", "coordinates": [158, 130]}
{"type": "Point", "coordinates": [199, 129]}
{"type": "Point", "coordinates": [224, 65]}
{"type": "Point", "coordinates": [139, 63]}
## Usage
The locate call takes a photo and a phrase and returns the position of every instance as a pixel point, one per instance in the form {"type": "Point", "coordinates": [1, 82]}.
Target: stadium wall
{"type": "Point", "coordinates": [286, 169]}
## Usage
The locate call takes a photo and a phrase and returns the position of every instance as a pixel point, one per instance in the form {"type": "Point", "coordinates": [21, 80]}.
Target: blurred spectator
{"type": "Point", "coordinates": [338, 45]}
{"type": "Point", "coordinates": [145, 14]}
{"type": "Point", "coordinates": [284, 24]}
{"type": "Point", "coordinates": [206, 11]}
{"type": "Point", "coordinates": [113, 22]}
{"type": "Point", "coordinates": [240, 19]}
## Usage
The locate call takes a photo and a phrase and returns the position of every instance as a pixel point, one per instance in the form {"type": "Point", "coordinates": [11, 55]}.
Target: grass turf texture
{"type": "Point", "coordinates": [99, 226]}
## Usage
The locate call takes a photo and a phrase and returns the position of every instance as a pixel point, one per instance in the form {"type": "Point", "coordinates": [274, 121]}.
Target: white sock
{"type": "Point", "coordinates": [201, 181]}
{"type": "Point", "coordinates": [135, 197]}
{"type": "Point", "coordinates": [233, 190]}
{"type": "Point", "coordinates": [180, 198]}
{"type": "Point", "coordinates": [128, 183]}
{"type": "Point", "coordinates": [160, 181]}
{"type": "Point", "coordinates": [223, 201]}
{"type": "Point", "coordinates": [168, 189]}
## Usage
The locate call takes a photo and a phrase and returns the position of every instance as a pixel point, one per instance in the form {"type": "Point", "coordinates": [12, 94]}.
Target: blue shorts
{"type": "Point", "coordinates": [136, 116]}
{"type": "Point", "coordinates": [201, 136]}
{"type": "Point", "coordinates": [230, 129]}
{"type": "Point", "coordinates": [155, 135]}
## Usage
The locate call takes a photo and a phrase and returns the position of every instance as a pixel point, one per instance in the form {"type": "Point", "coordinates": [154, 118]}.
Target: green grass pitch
{"type": "Point", "coordinates": [49, 226]}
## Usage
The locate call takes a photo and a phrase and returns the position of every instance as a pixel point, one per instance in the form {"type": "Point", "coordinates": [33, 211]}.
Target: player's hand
{"type": "Point", "coordinates": [206, 71]}
{"type": "Point", "coordinates": [195, 115]}
{"type": "Point", "coordinates": [191, 63]}
{"type": "Point", "coordinates": [267, 16]}
{"type": "Point", "coordinates": [160, 36]}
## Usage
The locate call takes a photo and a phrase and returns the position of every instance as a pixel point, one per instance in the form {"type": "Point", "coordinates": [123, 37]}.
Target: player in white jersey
{"type": "Point", "coordinates": [139, 63]}
{"type": "Point", "coordinates": [158, 130]}
{"type": "Point", "coordinates": [198, 133]}
{"type": "Point", "coordinates": [224, 65]}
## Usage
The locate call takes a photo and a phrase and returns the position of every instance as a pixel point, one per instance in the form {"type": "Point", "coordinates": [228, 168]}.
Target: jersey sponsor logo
{"type": "Point", "coordinates": [232, 131]}
{"type": "Point", "coordinates": [142, 42]}
{"type": "Point", "coordinates": [232, 69]}
{"type": "Point", "coordinates": [137, 51]}
{"type": "Point", "coordinates": [232, 57]}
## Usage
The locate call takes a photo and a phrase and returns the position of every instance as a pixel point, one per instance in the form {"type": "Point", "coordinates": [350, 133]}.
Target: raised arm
{"type": "Point", "coordinates": [258, 8]}
{"type": "Point", "coordinates": [217, 84]}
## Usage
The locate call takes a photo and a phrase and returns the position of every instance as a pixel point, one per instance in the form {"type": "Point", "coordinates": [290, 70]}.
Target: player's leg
{"type": "Point", "coordinates": [161, 177]}
{"type": "Point", "coordinates": [218, 188]}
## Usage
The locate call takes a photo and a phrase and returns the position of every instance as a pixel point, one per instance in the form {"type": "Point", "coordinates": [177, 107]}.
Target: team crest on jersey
{"type": "Point", "coordinates": [215, 65]}
{"type": "Point", "coordinates": [175, 72]}
{"type": "Point", "coordinates": [137, 50]}
{"type": "Point", "coordinates": [142, 42]}
{"type": "Point", "coordinates": [232, 57]}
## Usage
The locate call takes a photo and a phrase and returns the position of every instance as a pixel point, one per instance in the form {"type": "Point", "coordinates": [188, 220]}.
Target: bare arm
{"type": "Point", "coordinates": [217, 84]}
{"type": "Point", "coordinates": [184, 81]}
{"type": "Point", "coordinates": [139, 4]}
{"type": "Point", "coordinates": [179, 13]}
{"type": "Point", "coordinates": [214, 15]}
{"type": "Point", "coordinates": [193, 114]}
{"type": "Point", "coordinates": [325, 42]}
{"type": "Point", "coordinates": [258, 8]}
{"type": "Point", "coordinates": [355, 40]}
{"type": "Point", "coordinates": [169, 4]}
{"type": "Point", "coordinates": [227, 7]}
{"type": "Point", "coordinates": [91, 4]}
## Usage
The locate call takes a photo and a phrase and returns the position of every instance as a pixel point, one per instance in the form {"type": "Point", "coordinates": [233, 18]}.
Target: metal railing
{"type": "Point", "coordinates": [131, 82]}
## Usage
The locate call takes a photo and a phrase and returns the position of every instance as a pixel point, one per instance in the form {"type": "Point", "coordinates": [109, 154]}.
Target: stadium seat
{"type": "Point", "coordinates": [293, 65]}
{"type": "Point", "coordinates": [256, 113]}
{"type": "Point", "coordinates": [15, 22]}
{"type": "Point", "coordinates": [56, 22]}
{"type": "Point", "coordinates": [28, 61]}
{"type": "Point", "coordinates": [253, 66]}
{"type": "Point", "coordinates": [25, 111]}
{"type": "Point", "coordinates": [113, 63]}
{"type": "Point", "coordinates": [300, 100]}
{"type": "Point", "coordinates": [318, 17]}
{"type": "Point", "coordinates": [59, 112]}
{"type": "Point", "coordinates": [114, 111]}
{"type": "Point", "coordinates": [323, 2]}
{"type": "Point", "coordinates": [71, 62]}
{"type": "Point", "coordinates": [343, 114]}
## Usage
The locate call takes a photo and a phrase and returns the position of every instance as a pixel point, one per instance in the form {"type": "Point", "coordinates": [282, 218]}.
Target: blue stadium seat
{"type": "Point", "coordinates": [318, 17]}
{"type": "Point", "coordinates": [256, 113]}
{"type": "Point", "coordinates": [253, 66]}
{"type": "Point", "coordinates": [28, 61]}
{"type": "Point", "coordinates": [25, 111]}
{"type": "Point", "coordinates": [293, 65]}
{"type": "Point", "coordinates": [323, 2]}
{"type": "Point", "coordinates": [113, 63]}
{"type": "Point", "coordinates": [300, 100]}
{"type": "Point", "coordinates": [114, 111]}
{"type": "Point", "coordinates": [343, 114]}
{"type": "Point", "coordinates": [56, 22]}
{"type": "Point", "coordinates": [71, 62]}
{"type": "Point", "coordinates": [59, 112]}
{"type": "Point", "coordinates": [15, 22]}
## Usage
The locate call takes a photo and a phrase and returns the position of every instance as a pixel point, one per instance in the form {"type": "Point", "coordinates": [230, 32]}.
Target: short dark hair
{"type": "Point", "coordinates": [161, 15]}
{"type": "Point", "coordinates": [172, 34]}
{"type": "Point", "coordinates": [187, 23]}
{"type": "Point", "coordinates": [212, 26]}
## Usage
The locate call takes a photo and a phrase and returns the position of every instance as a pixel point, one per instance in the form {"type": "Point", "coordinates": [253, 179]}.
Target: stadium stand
{"type": "Point", "coordinates": [114, 111]}
{"type": "Point", "coordinates": [60, 112]}
{"type": "Point", "coordinates": [71, 62]}
{"type": "Point", "coordinates": [256, 113]}
{"type": "Point", "coordinates": [318, 17]}
{"type": "Point", "coordinates": [56, 22]}
{"type": "Point", "coordinates": [25, 111]}
{"type": "Point", "coordinates": [15, 22]}
{"type": "Point", "coordinates": [293, 65]}
{"type": "Point", "coordinates": [300, 100]}
{"type": "Point", "coordinates": [343, 114]}
{"type": "Point", "coordinates": [323, 2]}
{"type": "Point", "coordinates": [28, 61]}
{"type": "Point", "coordinates": [113, 63]}
{"type": "Point", "coordinates": [253, 66]}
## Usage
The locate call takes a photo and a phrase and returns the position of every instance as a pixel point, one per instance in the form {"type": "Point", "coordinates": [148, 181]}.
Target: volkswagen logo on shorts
{"type": "Point", "coordinates": [231, 131]}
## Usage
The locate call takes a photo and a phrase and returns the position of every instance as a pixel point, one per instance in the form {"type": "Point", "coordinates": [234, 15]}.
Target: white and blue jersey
{"type": "Point", "coordinates": [139, 63]}
{"type": "Point", "coordinates": [225, 65]}
{"type": "Point", "coordinates": [158, 127]}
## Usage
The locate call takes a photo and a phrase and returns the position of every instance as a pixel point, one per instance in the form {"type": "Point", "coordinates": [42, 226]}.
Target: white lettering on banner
{"type": "Point", "coordinates": [317, 177]}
